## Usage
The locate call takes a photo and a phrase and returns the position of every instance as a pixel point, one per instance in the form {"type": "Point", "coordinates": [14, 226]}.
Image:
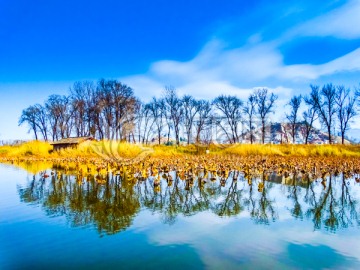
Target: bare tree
{"type": "Point", "coordinates": [158, 111]}
{"type": "Point", "coordinates": [324, 102]}
{"type": "Point", "coordinates": [175, 108]}
{"type": "Point", "coordinates": [130, 119]}
{"type": "Point", "coordinates": [139, 120]}
{"type": "Point", "coordinates": [309, 117]}
{"type": "Point", "coordinates": [148, 123]}
{"type": "Point", "coordinates": [124, 103]}
{"type": "Point", "coordinates": [82, 101]}
{"type": "Point", "coordinates": [59, 113]}
{"type": "Point", "coordinates": [41, 120]}
{"type": "Point", "coordinates": [294, 104]}
{"type": "Point", "coordinates": [28, 116]}
{"type": "Point", "coordinates": [230, 107]}
{"type": "Point", "coordinates": [250, 111]}
{"type": "Point", "coordinates": [265, 104]}
{"type": "Point", "coordinates": [346, 108]}
{"type": "Point", "coordinates": [191, 108]}
{"type": "Point", "coordinates": [116, 101]}
{"type": "Point", "coordinates": [204, 115]}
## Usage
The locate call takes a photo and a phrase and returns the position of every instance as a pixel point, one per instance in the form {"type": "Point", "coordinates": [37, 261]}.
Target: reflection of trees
{"type": "Point", "coordinates": [110, 206]}
{"type": "Point", "coordinates": [265, 209]}
{"type": "Point", "coordinates": [110, 201]}
{"type": "Point", "coordinates": [347, 207]}
{"type": "Point", "coordinates": [31, 193]}
{"type": "Point", "coordinates": [231, 205]}
{"type": "Point", "coordinates": [322, 210]}
{"type": "Point", "coordinates": [294, 191]}
{"type": "Point", "coordinates": [331, 209]}
{"type": "Point", "coordinates": [250, 201]}
{"type": "Point", "coordinates": [258, 203]}
{"type": "Point", "coordinates": [176, 196]}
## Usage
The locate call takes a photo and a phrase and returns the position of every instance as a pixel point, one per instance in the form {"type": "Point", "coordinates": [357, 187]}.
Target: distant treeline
{"type": "Point", "coordinates": [109, 109]}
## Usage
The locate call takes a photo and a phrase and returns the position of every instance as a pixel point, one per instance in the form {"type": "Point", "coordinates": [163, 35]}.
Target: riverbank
{"type": "Point", "coordinates": [109, 156]}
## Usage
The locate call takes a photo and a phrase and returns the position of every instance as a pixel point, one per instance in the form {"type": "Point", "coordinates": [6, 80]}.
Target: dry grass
{"type": "Point", "coordinates": [97, 159]}
{"type": "Point", "coordinates": [254, 149]}
{"type": "Point", "coordinates": [295, 150]}
{"type": "Point", "coordinates": [28, 149]}
{"type": "Point", "coordinates": [111, 149]}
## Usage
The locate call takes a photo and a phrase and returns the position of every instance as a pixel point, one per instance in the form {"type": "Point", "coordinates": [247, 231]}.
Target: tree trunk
{"type": "Point", "coordinates": [168, 136]}
{"type": "Point", "coordinates": [329, 133]}
{"type": "Point", "coordinates": [188, 137]}
{"type": "Point", "coordinates": [36, 136]}
{"type": "Point", "coordinates": [263, 132]}
{"type": "Point", "coordinates": [293, 133]}
{"type": "Point", "coordinates": [251, 133]}
{"type": "Point", "coordinates": [177, 135]}
{"type": "Point", "coordinates": [306, 138]}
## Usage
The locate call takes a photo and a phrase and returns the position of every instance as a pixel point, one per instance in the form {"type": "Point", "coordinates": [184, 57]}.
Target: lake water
{"type": "Point", "coordinates": [61, 222]}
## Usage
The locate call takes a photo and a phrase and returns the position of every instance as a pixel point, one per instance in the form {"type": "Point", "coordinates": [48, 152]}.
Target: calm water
{"type": "Point", "coordinates": [60, 222]}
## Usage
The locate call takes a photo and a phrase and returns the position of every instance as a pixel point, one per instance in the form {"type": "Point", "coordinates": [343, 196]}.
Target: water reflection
{"type": "Point", "coordinates": [110, 206]}
{"type": "Point", "coordinates": [110, 201]}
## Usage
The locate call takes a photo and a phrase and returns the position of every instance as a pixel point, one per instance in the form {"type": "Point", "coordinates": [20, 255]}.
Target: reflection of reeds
{"type": "Point", "coordinates": [34, 167]}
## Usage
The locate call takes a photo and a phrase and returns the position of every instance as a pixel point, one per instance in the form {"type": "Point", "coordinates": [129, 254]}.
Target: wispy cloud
{"type": "Point", "coordinates": [342, 22]}
{"type": "Point", "coordinates": [348, 63]}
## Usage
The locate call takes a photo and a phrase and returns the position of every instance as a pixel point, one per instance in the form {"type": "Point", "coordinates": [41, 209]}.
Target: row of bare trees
{"type": "Point", "coordinates": [197, 117]}
{"type": "Point", "coordinates": [106, 110]}
{"type": "Point", "coordinates": [109, 110]}
{"type": "Point", "coordinates": [334, 107]}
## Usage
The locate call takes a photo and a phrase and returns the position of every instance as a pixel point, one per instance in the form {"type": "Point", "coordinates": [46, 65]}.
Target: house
{"type": "Point", "coordinates": [70, 142]}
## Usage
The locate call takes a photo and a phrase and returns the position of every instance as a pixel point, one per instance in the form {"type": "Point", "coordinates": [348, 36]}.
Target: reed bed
{"type": "Point", "coordinates": [123, 150]}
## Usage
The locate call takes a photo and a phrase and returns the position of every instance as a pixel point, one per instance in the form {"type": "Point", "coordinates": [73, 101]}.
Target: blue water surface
{"type": "Point", "coordinates": [64, 223]}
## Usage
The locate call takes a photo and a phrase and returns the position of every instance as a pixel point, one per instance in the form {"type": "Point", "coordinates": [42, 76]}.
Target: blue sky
{"type": "Point", "coordinates": [201, 47]}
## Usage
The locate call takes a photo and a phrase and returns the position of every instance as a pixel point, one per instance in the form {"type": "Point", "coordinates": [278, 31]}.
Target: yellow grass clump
{"type": "Point", "coordinates": [28, 149]}
{"type": "Point", "coordinates": [294, 150]}
{"type": "Point", "coordinates": [253, 149]}
{"type": "Point", "coordinates": [170, 151]}
{"type": "Point", "coordinates": [115, 149]}
{"type": "Point", "coordinates": [122, 150]}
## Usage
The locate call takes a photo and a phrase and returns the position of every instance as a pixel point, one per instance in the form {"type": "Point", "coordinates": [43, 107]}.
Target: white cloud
{"type": "Point", "coordinates": [239, 237]}
{"type": "Point", "coordinates": [213, 71]}
{"type": "Point", "coordinates": [342, 22]}
{"type": "Point", "coordinates": [349, 62]}
{"type": "Point", "coordinates": [248, 64]}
